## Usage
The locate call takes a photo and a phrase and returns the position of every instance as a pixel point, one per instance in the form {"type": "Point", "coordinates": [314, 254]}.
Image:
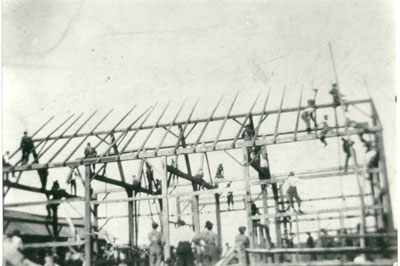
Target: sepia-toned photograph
{"type": "Point", "coordinates": [199, 133]}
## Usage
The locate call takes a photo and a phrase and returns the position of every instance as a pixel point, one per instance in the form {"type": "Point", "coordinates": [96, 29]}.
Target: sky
{"type": "Point", "coordinates": [64, 57]}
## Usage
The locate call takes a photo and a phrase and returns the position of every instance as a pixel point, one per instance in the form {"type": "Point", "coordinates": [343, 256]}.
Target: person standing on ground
{"type": "Point", "coordinates": [208, 240]}
{"type": "Point", "coordinates": [90, 152]}
{"type": "Point", "coordinates": [347, 146]}
{"type": "Point", "coordinates": [156, 246]}
{"type": "Point", "coordinates": [241, 243]}
{"type": "Point", "coordinates": [291, 192]}
{"type": "Point", "coordinates": [27, 148]}
{"type": "Point", "coordinates": [307, 115]}
{"type": "Point", "coordinates": [182, 239]}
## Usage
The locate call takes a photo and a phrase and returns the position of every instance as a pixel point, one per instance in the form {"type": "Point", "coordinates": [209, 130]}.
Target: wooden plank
{"type": "Point", "coordinates": [69, 140]}
{"type": "Point", "coordinates": [121, 184]}
{"type": "Point", "coordinates": [279, 116]}
{"type": "Point", "coordinates": [314, 250]}
{"type": "Point", "coordinates": [233, 158]}
{"type": "Point", "coordinates": [33, 135]}
{"type": "Point", "coordinates": [298, 115]}
{"type": "Point", "coordinates": [218, 219]}
{"type": "Point", "coordinates": [225, 119]}
{"type": "Point", "coordinates": [263, 216]}
{"type": "Point", "coordinates": [206, 124]}
{"type": "Point", "coordinates": [54, 244]}
{"type": "Point", "coordinates": [165, 209]}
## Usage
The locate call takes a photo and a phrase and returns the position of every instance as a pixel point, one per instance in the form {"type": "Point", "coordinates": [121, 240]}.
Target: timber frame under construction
{"type": "Point", "coordinates": [261, 249]}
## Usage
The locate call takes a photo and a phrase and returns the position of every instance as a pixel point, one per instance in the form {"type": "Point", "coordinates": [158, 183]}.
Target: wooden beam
{"type": "Point", "coordinates": [8, 183]}
{"type": "Point", "coordinates": [88, 218]}
{"type": "Point", "coordinates": [315, 250]}
{"type": "Point", "coordinates": [53, 244]}
{"type": "Point", "coordinates": [121, 184]}
{"type": "Point", "coordinates": [224, 121]}
{"type": "Point", "coordinates": [298, 115]}
{"type": "Point", "coordinates": [279, 117]}
{"type": "Point", "coordinates": [261, 116]}
{"type": "Point", "coordinates": [218, 219]}
{"type": "Point", "coordinates": [194, 180]}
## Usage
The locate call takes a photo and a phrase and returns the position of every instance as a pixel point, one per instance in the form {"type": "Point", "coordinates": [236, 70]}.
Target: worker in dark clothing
{"type": "Point", "coordinates": [27, 148]}
{"type": "Point", "coordinates": [6, 163]}
{"type": "Point", "coordinates": [311, 244]}
{"type": "Point", "coordinates": [43, 174]}
{"type": "Point", "coordinates": [91, 152]}
{"type": "Point", "coordinates": [247, 135]}
{"type": "Point", "coordinates": [347, 146]}
{"type": "Point", "coordinates": [230, 200]}
{"type": "Point", "coordinates": [220, 171]}
{"type": "Point", "coordinates": [149, 175]}
{"type": "Point", "coordinates": [183, 240]}
{"type": "Point", "coordinates": [254, 211]}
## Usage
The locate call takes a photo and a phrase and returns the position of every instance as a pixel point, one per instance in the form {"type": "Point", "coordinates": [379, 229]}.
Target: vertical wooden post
{"type": "Point", "coordinates": [178, 208]}
{"type": "Point", "coordinates": [248, 200]}
{"type": "Point", "coordinates": [195, 214]}
{"type": "Point", "coordinates": [266, 220]}
{"type": "Point", "coordinates": [382, 164]}
{"type": "Point", "coordinates": [131, 216]}
{"type": "Point", "coordinates": [165, 209]}
{"type": "Point", "coordinates": [88, 247]}
{"type": "Point", "coordinates": [218, 219]}
{"type": "Point", "coordinates": [95, 225]}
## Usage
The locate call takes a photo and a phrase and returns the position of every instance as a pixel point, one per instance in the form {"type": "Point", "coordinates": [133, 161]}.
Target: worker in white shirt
{"type": "Point", "coordinates": [291, 193]}
{"type": "Point", "coordinates": [182, 239]}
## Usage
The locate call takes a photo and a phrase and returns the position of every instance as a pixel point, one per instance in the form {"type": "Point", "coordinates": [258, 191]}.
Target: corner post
{"type": "Point", "coordinates": [88, 225]}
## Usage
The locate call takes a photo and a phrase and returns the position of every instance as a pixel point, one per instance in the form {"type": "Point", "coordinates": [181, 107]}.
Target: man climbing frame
{"type": "Point", "coordinates": [347, 146]}
{"type": "Point", "coordinates": [308, 114]}
{"type": "Point", "coordinates": [291, 192]}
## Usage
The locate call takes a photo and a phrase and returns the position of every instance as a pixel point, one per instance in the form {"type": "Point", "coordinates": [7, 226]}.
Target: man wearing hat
{"type": "Point", "coordinates": [241, 243]}
{"type": "Point", "coordinates": [157, 243]}
{"type": "Point", "coordinates": [208, 241]}
{"type": "Point", "coordinates": [27, 148]}
{"type": "Point", "coordinates": [291, 192]}
{"type": "Point", "coordinates": [183, 241]}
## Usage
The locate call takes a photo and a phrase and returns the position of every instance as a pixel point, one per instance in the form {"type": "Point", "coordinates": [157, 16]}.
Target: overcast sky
{"type": "Point", "coordinates": [63, 57]}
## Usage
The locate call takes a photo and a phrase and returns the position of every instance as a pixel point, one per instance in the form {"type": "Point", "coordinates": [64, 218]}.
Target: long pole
{"type": "Point", "coordinates": [353, 155]}
{"type": "Point", "coordinates": [88, 248]}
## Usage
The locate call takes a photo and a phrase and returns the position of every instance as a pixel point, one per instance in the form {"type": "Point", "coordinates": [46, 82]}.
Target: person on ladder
{"type": "Point", "coordinates": [291, 193]}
